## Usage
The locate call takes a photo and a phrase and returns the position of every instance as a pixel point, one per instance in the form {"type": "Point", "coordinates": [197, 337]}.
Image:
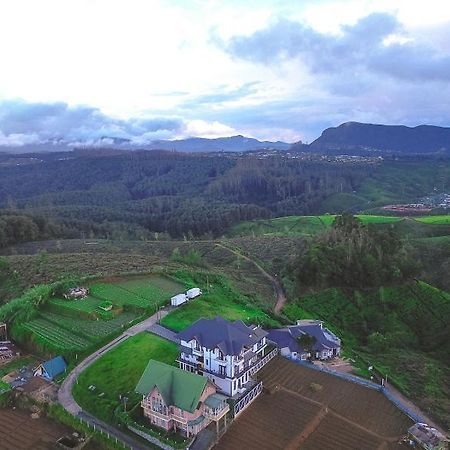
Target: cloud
{"type": "Point", "coordinates": [23, 123]}
{"type": "Point", "coordinates": [376, 43]}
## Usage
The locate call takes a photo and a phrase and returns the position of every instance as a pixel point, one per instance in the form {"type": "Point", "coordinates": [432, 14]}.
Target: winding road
{"type": "Point", "coordinates": [65, 396]}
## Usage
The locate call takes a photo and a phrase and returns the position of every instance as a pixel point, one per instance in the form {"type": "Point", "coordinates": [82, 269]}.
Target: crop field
{"type": "Point", "coordinates": [336, 414]}
{"type": "Point", "coordinates": [55, 336]}
{"type": "Point", "coordinates": [91, 329]}
{"type": "Point", "coordinates": [19, 432]}
{"type": "Point", "coordinates": [86, 305]}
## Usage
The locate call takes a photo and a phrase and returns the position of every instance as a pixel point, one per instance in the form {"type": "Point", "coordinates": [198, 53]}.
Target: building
{"type": "Point", "coordinates": [174, 399]}
{"type": "Point", "coordinates": [307, 339]}
{"type": "Point", "coordinates": [51, 369]}
{"type": "Point", "coordinates": [428, 437]}
{"type": "Point", "coordinates": [228, 353]}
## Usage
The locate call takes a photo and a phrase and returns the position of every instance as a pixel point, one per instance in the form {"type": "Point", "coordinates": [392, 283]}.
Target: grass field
{"type": "Point", "coordinates": [217, 301]}
{"type": "Point", "coordinates": [299, 225]}
{"type": "Point", "coordinates": [435, 220]}
{"type": "Point", "coordinates": [118, 372]}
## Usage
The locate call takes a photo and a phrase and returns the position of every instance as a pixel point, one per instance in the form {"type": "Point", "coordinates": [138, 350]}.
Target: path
{"type": "Point", "coordinates": [281, 297]}
{"type": "Point", "coordinates": [164, 332]}
{"type": "Point", "coordinates": [65, 396]}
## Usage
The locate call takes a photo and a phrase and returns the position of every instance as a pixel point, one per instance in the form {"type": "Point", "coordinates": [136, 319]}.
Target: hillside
{"type": "Point", "coordinates": [401, 330]}
{"type": "Point", "coordinates": [133, 195]}
{"type": "Point", "coordinates": [354, 136]}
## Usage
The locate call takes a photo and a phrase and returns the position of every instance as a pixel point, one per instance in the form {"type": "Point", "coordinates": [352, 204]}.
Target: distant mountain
{"type": "Point", "coordinates": [355, 137]}
{"type": "Point", "coordinates": [227, 144]}
{"type": "Point", "coordinates": [194, 144]}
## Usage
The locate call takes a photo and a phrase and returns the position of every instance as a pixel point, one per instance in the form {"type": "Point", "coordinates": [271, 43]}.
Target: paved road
{"type": "Point", "coordinates": [164, 332]}
{"type": "Point", "coordinates": [65, 392]}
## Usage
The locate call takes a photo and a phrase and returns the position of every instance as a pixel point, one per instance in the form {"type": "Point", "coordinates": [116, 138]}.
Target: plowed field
{"type": "Point", "coordinates": [333, 414]}
{"type": "Point", "coordinates": [19, 432]}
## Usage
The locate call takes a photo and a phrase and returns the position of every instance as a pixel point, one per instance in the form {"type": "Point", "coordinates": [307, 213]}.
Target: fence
{"type": "Point", "coordinates": [248, 398]}
{"type": "Point", "coordinates": [263, 361]}
{"type": "Point", "coordinates": [98, 428]}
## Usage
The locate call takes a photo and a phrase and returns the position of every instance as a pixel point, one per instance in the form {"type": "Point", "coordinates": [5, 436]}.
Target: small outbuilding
{"type": "Point", "coordinates": [51, 369]}
{"type": "Point", "coordinates": [428, 437]}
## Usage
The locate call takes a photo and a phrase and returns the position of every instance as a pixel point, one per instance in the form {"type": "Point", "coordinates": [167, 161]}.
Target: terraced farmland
{"type": "Point", "coordinates": [74, 325]}
{"type": "Point", "coordinates": [341, 415]}
{"type": "Point", "coordinates": [56, 336]}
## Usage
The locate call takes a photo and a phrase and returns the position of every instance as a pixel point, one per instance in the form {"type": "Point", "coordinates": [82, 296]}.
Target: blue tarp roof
{"type": "Point", "coordinates": [55, 366]}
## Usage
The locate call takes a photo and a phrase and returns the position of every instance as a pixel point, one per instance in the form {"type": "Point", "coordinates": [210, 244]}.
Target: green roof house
{"type": "Point", "coordinates": [177, 400]}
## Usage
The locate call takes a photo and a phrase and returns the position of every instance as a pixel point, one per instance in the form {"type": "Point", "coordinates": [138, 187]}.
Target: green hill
{"type": "Point", "coordinates": [402, 330]}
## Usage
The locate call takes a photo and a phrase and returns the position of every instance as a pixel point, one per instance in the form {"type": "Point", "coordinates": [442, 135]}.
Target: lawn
{"type": "Point", "coordinates": [118, 372]}
{"type": "Point", "coordinates": [217, 302]}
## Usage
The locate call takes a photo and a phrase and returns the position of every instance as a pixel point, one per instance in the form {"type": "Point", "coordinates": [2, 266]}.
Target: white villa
{"type": "Point", "coordinates": [228, 353]}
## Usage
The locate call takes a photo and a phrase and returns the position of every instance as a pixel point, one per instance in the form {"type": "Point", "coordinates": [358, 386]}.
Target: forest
{"type": "Point", "coordinates": [158, 194]}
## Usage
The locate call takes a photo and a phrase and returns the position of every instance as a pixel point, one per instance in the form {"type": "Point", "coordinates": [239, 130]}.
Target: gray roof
{"type": "Point", "coordinates": [230, 337]}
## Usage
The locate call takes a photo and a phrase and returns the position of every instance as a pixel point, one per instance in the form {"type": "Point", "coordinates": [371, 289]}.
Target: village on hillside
{"type": "Point", "coordinates": [231, 384]}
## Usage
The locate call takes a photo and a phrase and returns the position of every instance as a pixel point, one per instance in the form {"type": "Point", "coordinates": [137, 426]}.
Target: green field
{"type": "Point", "coordinates": [435, 220]}
{"type": "Point", "coordinates": [299, 225]}
{"type": "Point", "coordinates": [69, 326]}
{"type": "Point", "coordinates": [217, 301]}
{"type": "Point", "coordinates": [118, 372]}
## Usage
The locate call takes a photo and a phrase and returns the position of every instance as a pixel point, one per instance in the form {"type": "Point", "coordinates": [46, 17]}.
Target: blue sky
{"type": "Point", "coordinates": [80, 70]}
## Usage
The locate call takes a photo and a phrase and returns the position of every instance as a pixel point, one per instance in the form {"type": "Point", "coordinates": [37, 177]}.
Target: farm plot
{"type": "Point", "coordinates": [272, 422]}
{"type": "Point", "coordinates": [333, 433]}
{"type": "Point", "coordinates": [307, 409]}
{"type": "Point", "coordinates": [118, 295]}
{"type": "Point", "coordinates": [92, 329]}
{"type": "Point", "coordinates": [20, 432]}
{"type": "Point", "coordinates": [55, 336]}
{"type": "Point", "coordinates": [86, 305]}
{"type": "Point", "coordinates": [366, 407]}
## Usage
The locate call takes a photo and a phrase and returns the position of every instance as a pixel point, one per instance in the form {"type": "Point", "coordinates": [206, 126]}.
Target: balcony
{"type": "Point", "coordinates": [216, 407]}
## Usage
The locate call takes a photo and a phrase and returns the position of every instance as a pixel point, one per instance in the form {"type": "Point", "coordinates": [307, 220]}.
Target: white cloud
{"type": "Point", "coordinates": [202, 128]}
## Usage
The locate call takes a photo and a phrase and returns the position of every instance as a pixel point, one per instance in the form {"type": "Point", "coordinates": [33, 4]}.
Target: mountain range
{"type": "Point", "coordinates": [352, 138]}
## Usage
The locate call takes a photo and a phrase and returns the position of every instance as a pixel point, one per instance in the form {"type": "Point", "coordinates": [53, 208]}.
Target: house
{"type": "Point", "coordinates": [228, 353]}
{"type": "Point", "coordinates": [51, 369]}
{"type": "Point", "coordinates": [174, 399]}
{"type": "Point", "coordinates": [428, 437]}
{"type": "Point", "coordinates": [309, 338]}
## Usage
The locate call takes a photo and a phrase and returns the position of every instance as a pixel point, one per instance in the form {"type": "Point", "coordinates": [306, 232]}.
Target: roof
{"type": "Point", "coordinates": [325, 339]}
{"type": "Point", "coordinates": [55, 366]}
{"type": "Point", "coordinates": [177, 387]}
{"type": "Point", "coordinates": [215, 400]}
{"type": "Point", "coordinates": [229, 337]}
{"type": "Point", "coordinates": [287, 337]}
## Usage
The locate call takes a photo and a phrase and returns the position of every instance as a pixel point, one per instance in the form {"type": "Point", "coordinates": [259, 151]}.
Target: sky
{"type": "Point", "coordinates": [84, 71]}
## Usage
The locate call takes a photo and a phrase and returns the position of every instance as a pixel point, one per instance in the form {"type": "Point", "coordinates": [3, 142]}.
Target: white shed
{"type": "Point", "coordinates": [178, 300]}
{"type": "Point", "coordinates": [192, 293]}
